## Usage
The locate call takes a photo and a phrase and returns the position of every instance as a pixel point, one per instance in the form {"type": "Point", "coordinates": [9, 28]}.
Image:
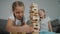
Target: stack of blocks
{"type": "Point", "coordinates": [34, 18]}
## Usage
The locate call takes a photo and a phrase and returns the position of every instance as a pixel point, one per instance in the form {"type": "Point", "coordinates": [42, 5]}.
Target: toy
{"type": "Point", "coordinates": [34, 18]}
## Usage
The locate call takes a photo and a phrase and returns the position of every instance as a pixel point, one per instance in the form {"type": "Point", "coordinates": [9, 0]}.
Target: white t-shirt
{"type": "Point", "coordinates": [17, 22]}
{"type": "Point", "coordinates": [44, 24]}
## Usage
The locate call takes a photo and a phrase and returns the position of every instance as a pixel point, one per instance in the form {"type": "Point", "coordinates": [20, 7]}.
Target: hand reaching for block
{"type": "Point", "coordinates": [26, 28]}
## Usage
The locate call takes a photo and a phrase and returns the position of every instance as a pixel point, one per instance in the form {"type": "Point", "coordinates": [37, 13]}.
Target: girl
{"type": "Point", "coordinates": [16, 21]}
{"type": "Point", "coordinates": [45, 23]}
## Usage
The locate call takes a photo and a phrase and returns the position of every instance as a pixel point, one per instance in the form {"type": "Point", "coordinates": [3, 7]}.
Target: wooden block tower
{"type": "Point", "coordinates": [34, 18]}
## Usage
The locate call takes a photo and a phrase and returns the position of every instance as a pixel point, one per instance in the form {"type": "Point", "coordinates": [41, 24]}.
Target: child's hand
{"type": "Point", "coordinates": [29, 29]}
{"type": "Point", "coordinates": [26, 28]}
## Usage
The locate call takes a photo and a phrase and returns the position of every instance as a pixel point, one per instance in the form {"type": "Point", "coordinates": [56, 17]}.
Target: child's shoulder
{"type": "Point", "coordinates": [11, 17]}
{"type": "Point", "coordinates": [48, 18]}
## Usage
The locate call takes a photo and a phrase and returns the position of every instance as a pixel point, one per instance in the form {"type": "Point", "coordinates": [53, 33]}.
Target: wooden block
{"type": "Point", "coordinates": [34, 4]}
{"type": "Point", "coordinates": [35, 9]}
{"type": "Point", "coordinates": [16, 33]}
{"type": "Point", "coordinates": [35, 17]}
{"type": "Point", "coordinates": [23, 32]}
{"type": "Point", "coordinates": [35, 33]}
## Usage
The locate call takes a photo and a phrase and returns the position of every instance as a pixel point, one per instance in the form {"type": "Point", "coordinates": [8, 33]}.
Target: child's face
{"type": "Point", "coordinates": [19, 12]}
{"type": "Point", "coordinates": [41, 13]}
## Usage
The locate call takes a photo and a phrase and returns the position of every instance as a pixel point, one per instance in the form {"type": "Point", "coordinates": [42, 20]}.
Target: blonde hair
{"type": "Point", "coordinates": [43, 11]}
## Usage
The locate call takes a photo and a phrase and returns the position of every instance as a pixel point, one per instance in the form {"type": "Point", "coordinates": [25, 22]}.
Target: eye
{"type": "Point", "coordinates": [17, 12]}
{"type": "Point", "coordinates": [22, 11]}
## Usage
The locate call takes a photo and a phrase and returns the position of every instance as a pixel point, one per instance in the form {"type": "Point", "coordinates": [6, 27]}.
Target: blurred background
{"type": "Point", "coordinates": [52, 8]}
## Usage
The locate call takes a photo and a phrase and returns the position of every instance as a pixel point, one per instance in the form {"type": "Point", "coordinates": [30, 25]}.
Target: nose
{"type": "Point", "coordinates": [19, 14]}
{"type": "Point", "coordinates": [40, 13]}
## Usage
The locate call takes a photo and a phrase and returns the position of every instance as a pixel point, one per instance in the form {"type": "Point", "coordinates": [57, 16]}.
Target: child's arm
{"type": "Point", "coordinates": [10, 27]}
{"type": "Point", "coordinates": [49, 25]}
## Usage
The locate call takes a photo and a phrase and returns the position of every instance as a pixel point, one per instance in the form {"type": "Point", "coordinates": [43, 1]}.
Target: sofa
{"type": "Point", "coordinates": [3, 23]}
{"type": "Point", "coordinates": [55, 25]}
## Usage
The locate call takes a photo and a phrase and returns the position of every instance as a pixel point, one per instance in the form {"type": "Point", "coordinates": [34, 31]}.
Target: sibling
{"type": "Point", "coordinates": [45, 24]}
{"type": "Point", "coordinates": [16, 21]}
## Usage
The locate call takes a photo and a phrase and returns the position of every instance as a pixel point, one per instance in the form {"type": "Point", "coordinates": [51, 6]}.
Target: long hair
{"type": "Point", "coordinates": [14, 5]}
{"type": "Point", "coordinates": [44, 12]}
{"type": "Point", "coordinates": [17, 3]}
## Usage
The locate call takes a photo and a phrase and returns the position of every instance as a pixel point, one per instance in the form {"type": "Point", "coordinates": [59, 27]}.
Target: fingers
{"type": "Point", "coordinates": [26, 28]}
{"type": "Point", "coordinates": [21, 29]}
{"type": "Point", "coordinates": [30, 29]}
